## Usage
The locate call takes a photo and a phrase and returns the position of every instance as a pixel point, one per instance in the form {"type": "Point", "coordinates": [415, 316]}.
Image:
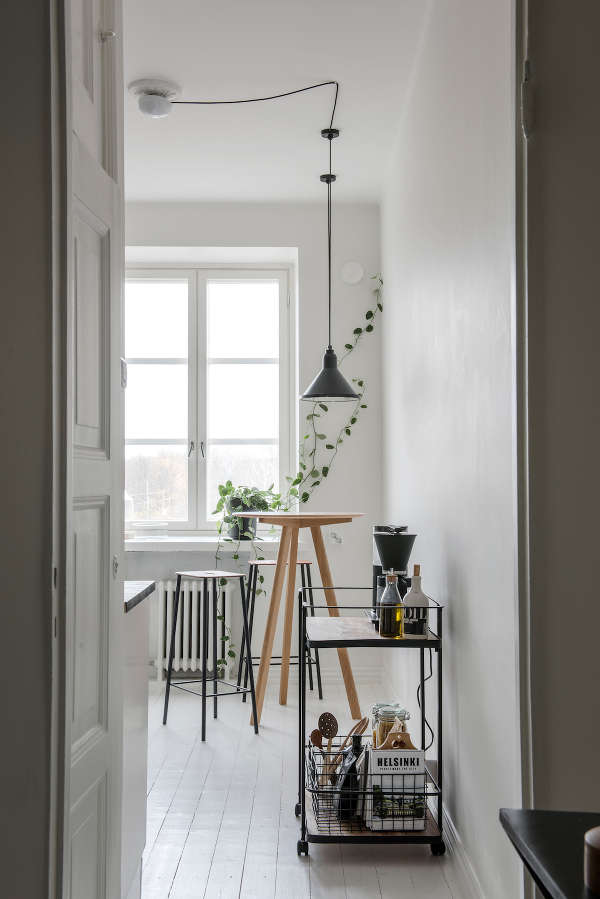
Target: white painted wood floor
{"type": "Point", "coordinates": [221, 814]}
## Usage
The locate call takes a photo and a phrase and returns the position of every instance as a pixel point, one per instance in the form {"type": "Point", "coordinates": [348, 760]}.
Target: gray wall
{"type": "Point", "coordinates": [448, 453]}
{"type": "Point", "coordinates": [564, 379]}
{"type": "Point", "coordinates": [25, 416]}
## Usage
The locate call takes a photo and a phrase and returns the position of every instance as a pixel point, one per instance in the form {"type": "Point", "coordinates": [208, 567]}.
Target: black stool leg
{"type": "Point", "coordinates": [250, 671]}
{"type": "Point", "coordinates": [250, 627]}
{"type": "Point", "coordinates": [214, 636]}
{"type": "Point", "coordinates": [312, 612]}
{"type": "Point", "coordinates": [172, 649]}
{"type": "Point", "coordinates": [306, 649]}
{"type": "Point", "coordinates": [204, 652]}
{"type": "Point", "coordinates": [251, 569]}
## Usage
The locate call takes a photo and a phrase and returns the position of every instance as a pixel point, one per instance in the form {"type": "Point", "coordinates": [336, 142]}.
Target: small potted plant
{"type": "Point", "coordinates": [237, 499]}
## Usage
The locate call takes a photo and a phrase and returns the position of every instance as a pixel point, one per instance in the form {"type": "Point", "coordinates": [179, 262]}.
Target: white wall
{"type": "Point", "coordinates": [354, 483]}
{"type": "Point", "coordinates": [448, 258]}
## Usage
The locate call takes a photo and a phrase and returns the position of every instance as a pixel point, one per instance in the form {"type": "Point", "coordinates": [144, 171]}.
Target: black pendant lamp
{"type": "Point", "coordinates": [330, 385]}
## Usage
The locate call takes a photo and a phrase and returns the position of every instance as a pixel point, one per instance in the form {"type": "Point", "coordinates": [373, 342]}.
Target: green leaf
{"type": "Point", "coordinates": [305, 497]}
{"type": "Point", "coordinates": [325, 470]}
{"type": "Point", "coordinates": [369, 314]}
{"type": "Point", "coordinates": [348, 346]}
{"type": "Point", "coordinates": [296, 480]}
{"type": "Point", "coordinates": [369, 328]}
{"type": "Point", "coordinates": [306, 436]}
{"type": "Point", "coordinates": [303, 466]}
{"type": "Point", "coordinates": [289, 477]}
{"type": "Point", "coordinates": [322, 436]}
{"type": "Point", "coordinates": [380, 307]}
{"type": "Point", "coordinates": [231, 653]}
{"type": "Point", "coordinates": [340, 440]}
{"type": "Point", "coordinates": [235, 556]}
{"type": "Point", "coordinates": [314, 473]}
{"type": "Point", "coordinates": [329, 446]}
{"type": "Point", "coordinates": [293, 491]}
{"type": "Point", "coordinates": [222, 581]}
{"type": "Point", "coordinates": [348, 431]}
{"type": "Point", "coordinates": [352, 421]}
{"type": "Point", "coordinates": [360, 383]}
{"type": "Point", "coordinates": [315, 483]}
{"type": "Point", "coordinates": [324, 407]}
{"type": "Point", "coordinates": [363, 405]}
{"type": "Point", "coordinates": [357, 331]}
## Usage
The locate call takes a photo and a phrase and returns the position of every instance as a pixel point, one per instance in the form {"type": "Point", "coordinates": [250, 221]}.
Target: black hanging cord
{"type": "Point", "coordinates": [300, 90]}
{"type": "Point", "coordinates": [331, 178]}
{"type": "Point", "coordinates": [427, 724]}
{"type": "Point", "coordinates": [329, 243]}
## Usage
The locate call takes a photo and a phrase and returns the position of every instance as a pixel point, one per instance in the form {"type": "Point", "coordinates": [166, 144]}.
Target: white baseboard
{"type": "Point", "coordinates": [463, 872]}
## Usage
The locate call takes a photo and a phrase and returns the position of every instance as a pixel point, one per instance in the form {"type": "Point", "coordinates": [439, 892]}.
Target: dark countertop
{"type": "Point", "coordinates": [135, 591]}
{"type": "Point", "coordinates": [551, 846]}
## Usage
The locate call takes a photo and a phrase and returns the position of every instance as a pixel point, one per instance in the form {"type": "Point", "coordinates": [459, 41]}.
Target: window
{"type": "Point", "coordinates": [209, 384]}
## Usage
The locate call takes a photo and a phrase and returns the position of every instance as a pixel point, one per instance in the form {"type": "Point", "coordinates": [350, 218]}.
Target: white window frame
{"type": "Point", "coordinates": [198, 277]}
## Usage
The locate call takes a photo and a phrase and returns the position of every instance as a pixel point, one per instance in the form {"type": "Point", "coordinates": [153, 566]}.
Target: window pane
{"type": "Point", "coordinates": [243, 319]}
{"type": "Point", "coordinates": [252, 466]}
{"type": "Point", "coordinates": [156, 319]}
{"type": "Point", "coordinates": [243, 401]}
{"type": "Point", "coordinates": [156, 483]}
{"type": "Point", "coordinates": [156, 402]}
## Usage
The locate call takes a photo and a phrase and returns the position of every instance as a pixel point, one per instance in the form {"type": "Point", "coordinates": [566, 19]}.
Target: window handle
{"type": "Point", "coordinates": [192, 448]}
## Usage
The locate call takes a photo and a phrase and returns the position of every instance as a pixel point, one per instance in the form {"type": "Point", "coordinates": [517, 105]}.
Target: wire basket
{"type": "Point", "coordinates": [388, 791]}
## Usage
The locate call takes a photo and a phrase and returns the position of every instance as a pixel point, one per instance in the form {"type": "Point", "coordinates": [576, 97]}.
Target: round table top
{"type": "Point", "coordinates": [300, 519]}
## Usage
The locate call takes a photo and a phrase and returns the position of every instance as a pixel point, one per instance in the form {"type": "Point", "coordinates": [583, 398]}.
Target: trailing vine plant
{"type": "Point", "coordinates": [317, 454]}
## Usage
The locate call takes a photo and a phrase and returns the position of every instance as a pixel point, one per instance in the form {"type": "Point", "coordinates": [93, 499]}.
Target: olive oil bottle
{"type": "Point", "coordinates": [391, 613]}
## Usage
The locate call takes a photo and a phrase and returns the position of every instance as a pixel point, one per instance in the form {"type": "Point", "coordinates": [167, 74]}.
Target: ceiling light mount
{"type": "Point", "coordinates": [155, 96]}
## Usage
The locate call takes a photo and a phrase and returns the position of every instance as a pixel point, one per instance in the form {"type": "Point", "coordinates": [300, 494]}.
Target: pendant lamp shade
{"type": "Point", "coordinates": [330, 385]}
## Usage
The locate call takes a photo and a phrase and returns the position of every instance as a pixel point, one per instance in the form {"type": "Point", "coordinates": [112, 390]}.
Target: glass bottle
{"type": "Point", "coordinates": [391, 617]}
{"type": "Point", "coordinates": [416, 612]}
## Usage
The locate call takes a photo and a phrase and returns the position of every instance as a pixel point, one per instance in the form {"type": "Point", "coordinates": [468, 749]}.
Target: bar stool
{"type": "Point", "coordinates": [253, 575]}
{"type": "Point", "coordinates": [213, 577]}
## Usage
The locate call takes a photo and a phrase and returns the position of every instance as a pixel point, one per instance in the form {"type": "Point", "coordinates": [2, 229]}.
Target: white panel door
{"type": "Point", "coordinates": [94, 615]}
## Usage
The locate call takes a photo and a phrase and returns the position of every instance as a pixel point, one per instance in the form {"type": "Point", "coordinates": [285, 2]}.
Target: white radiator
{"type": "Point", "coordinates": [188, 634]}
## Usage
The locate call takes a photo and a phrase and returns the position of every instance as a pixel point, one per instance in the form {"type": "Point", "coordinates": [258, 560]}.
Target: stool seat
{"type": "Point", "coordinates": [274, 562]}
{"type": "Point", "coordinates": [207, 575]}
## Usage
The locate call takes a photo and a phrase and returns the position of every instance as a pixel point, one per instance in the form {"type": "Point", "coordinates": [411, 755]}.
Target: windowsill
{"type": "Point", "coordinates": [195, 542]}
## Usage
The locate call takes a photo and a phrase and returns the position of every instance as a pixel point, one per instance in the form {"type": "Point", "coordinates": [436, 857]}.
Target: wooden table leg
{"type": "Point", "coordinates": [289, 617]}
{"type": "Point", "coordinates": [326, 578]}
{"type": "Point", "coordinates": [271, 625]}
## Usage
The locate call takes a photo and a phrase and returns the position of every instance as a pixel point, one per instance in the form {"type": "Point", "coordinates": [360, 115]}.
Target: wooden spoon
{"type": "Point", "coordinates": [329, 727]}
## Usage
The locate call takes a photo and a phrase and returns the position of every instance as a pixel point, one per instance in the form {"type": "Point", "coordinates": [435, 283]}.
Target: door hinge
{"type": "Point", "coordinates": [289, 299]}
{"type": "Point", "coordinates": [115, 566]}
{"type": "Point", "coordinates": [106, 35]}
{"type": "Point", "coordinates": [526, 101]}
{"type": "Point", "coordinates": [54, 577]}
{"type": "Point", "coordinates": [123, 373]}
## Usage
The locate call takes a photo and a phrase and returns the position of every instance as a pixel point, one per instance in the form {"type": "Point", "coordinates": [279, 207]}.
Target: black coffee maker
{"type": "Point", "coordinates": [392, 546]}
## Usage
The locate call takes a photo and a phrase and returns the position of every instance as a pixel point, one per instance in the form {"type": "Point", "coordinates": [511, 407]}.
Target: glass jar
{"type": "Point", "coordinates": [386, 719]}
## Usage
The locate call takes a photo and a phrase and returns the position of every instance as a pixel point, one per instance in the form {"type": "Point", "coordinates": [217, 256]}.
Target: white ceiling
{"type": "Point", "coordinates": [225, 49]}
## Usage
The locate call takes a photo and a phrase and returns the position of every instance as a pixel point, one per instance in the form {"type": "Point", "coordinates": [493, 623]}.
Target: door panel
{"type": "Point", "coordinates": [92, 319]}
{"type": "Point", "coordinates": [91, 536]}
{"type": "Point", "coordinates": [95, 77]}
{"type": "Point", "coordinates": [87, 878]}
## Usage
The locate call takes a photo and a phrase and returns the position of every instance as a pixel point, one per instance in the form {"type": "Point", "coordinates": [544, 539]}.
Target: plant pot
{"type": "Point", "coordinates": [241, 530]}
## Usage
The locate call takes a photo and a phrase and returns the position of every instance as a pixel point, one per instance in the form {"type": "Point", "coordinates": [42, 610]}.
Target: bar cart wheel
{"type": "Point", "coordinates": [302, 847]}
{"type": "Point", "coordinates": [297, 809]}
{"type": "Point", "coordinates": [438, 848]}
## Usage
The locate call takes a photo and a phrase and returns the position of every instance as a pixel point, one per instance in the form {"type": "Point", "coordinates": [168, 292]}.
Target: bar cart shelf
{"type": "Point", "coordinates": [319, 822]}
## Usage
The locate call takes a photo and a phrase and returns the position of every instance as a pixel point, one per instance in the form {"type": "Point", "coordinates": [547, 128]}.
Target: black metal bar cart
{"type": "Point", "coordinates": [409, 811]}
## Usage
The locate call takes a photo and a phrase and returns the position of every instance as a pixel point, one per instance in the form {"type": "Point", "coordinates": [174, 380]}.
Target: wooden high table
{"type": "Point", "coordinates": [290, 523]}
